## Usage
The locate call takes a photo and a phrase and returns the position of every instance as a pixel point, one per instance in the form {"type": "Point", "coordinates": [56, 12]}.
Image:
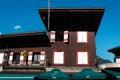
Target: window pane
{"type": "Point", "coordinates": [58, 57]}
{"type": "Point", "coordinates": [36, 58]}
{"type": "Point", "coordinates": [82, 36]}
{"type": "Point", "coordinates": [16, 58]}
{"type": "Point", "coordinates": [82, 58]}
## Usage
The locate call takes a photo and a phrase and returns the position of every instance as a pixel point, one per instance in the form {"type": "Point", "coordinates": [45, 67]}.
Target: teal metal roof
{"type": "Point", "coordinates": [88, 73]}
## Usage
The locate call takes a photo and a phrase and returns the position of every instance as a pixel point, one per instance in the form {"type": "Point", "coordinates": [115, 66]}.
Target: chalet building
{"type": "Point", "coordinates": [72, 35]}
{"type": "Point", "coordinates": [24, 48]}
{"type": "Point", "coordinates": [69, 41]}
{"type": "Point", "coordinates": [116, 52]}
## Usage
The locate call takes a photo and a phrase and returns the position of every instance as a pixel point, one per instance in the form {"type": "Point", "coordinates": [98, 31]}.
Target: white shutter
{"type": "Point", "coordinates": [65, 36]}
{"type": "Point", "coordinates": [1, 58]}
{"type": "Point", "coordinates": [10, 57]}
{"type": "Point", "coordinates": [30, 55]}
{"type": "Point", "coordinates": [21, 58]}
{"type": "Point", "coordinates": [52, 36]}
{"type": "Point", "coordinates": [42, 57]}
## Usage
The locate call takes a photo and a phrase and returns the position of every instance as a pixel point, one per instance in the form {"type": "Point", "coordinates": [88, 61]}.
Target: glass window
{"type": "Point", "coordinates": [36, 58]}
{"type": "Point", "coordinates": [16, 58]}
{"type": "Point", "coordinates": [58, 57]}
{"type": "Point", "coordinates": [82, 36]}
{"type": "Point", "coordinates": [82, 58]}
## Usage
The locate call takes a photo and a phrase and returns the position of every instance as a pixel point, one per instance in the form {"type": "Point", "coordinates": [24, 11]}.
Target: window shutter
{"type": "Point", "coordinates": [42, 57]}
{"type": "Point", "coordinates": [52, 36]}
{"type": "Point", "coordinates": [21, 58]}
{"type": "Point", "coordinates": [65, 36]}
{"type": "Point", "coordinates": [10, 57]}
{"type": "Point", "coordinates": [30, 55]}
{"type": "Point", "coordinates": [1, 58]}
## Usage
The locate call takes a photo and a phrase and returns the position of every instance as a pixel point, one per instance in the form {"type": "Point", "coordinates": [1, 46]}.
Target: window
{"type": "Point", "coordinates": [82, 58]}
{"type": "Point", "coordinates": [82, 36]}
{"type": "Point", "coordinates": [58, 58]}
{"type": "Point", "coordinates": [36, 58]}
{"type": "Point", "coordinates": [16, 58]}
{"type": "Point", "coordinates": [59, 36]}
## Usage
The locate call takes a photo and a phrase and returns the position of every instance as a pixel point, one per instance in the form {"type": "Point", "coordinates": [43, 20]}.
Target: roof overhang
{"type": "Point", "coordinates": [115, 50]}
{"type": "Point", "coordinates": [22, 40]}
{"type": "Point", "coordinates": [72, 19]}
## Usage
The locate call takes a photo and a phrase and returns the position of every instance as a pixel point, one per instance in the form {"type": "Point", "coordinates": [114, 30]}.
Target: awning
{"type": "Point", "coordinates": [113, 73]}
{"type": "Point", "coordinates": [88, 73]}
{"type": "Point", "coordinates": [54, 74]}
{"type": "Point", "coordinates": [17, 76]}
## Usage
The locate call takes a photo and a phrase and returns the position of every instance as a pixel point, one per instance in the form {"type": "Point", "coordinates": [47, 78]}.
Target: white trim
{"type": "Point", "coordinates": [65, 36]}
{"type": "Point", "coordinates": [21, 58]}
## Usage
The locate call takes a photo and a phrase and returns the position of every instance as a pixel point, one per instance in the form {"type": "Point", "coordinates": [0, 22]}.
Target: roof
{"type": "Point", "coordinates": [54, 74]}
{"type": "Point", "coordinates": [28, 39]}
{"type": "Point", "coordinates": [113, 72]}
{"type": "Point", "coordinates": [115, 50]}
{"type": "Point", "coordinates": [88, 73]}
{"type": "Point", "coordinates": [72, 19]}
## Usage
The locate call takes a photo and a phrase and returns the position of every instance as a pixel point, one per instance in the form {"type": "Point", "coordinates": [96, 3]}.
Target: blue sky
{"type": "Point", "coordinates": [22, 16]}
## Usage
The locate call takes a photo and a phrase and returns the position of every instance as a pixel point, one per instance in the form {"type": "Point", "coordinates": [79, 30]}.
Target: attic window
{"type": "Point", "coordinates": [59, 35]}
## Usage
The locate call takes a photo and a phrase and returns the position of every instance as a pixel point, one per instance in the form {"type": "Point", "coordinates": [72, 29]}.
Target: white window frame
{"type": "Point", "coordinates": [82, 58]}
{"type": "Point", "coordinates": [58, 57]}
{"type": "Point", "coordinates": [82, 37]}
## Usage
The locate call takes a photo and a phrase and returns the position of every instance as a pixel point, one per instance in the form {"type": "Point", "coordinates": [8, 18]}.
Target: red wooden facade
{"type": "Point", "coordinates": [70, 40]}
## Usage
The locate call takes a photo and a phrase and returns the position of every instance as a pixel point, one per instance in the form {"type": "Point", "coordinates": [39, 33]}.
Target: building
{"type": "Point", "coordinates": [116, 52]}
{"type": "Point", "coordinates": [72, 35]}
{"type": "Point", "coordinates": [23, 48]}
{"type": "Point", "coordinates": [70, 40]}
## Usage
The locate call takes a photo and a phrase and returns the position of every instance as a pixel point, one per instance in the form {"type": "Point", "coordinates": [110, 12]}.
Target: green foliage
{"type": "Point", "coordinates": [101, 60]}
